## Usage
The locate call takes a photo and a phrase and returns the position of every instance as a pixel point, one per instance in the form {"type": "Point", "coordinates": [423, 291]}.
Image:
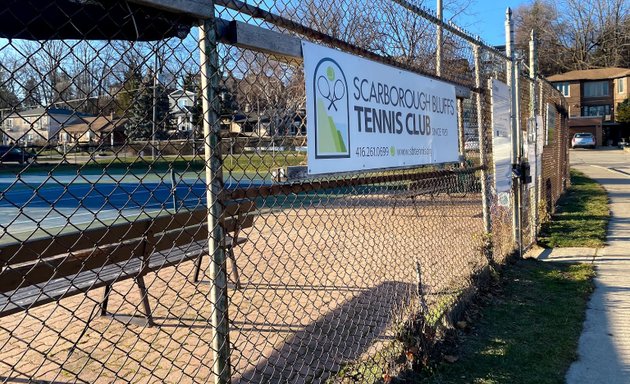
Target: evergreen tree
{"type": "Point", "coordinates": [8, 99]}
{"type": "Point", "coordinates": [140, 114]}
{"type": "Point", "coordinates": [128, 92]}
{"type": "Point", "coordinates": [136, 102]}
{"type": "Point", "coordinates": [32, 93]}
{"type": "Point", "coordinates": [226, 94]}
{"type": "Point", "coordinates": [623, 111]}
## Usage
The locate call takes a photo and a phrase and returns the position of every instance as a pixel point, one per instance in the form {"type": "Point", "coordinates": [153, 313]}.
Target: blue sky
{"type": "Point", "coordinates": [486, 18]}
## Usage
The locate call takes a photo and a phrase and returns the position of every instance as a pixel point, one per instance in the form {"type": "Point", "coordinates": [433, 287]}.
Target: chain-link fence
{"type": "Point", "coordinates": [159, 225]}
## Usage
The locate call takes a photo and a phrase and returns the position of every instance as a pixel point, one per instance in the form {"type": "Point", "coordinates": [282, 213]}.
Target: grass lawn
{"type": "Point", "coordinates": [527, 331]}
{"type": "Point", "coordinates": [582, 216]}
{"type": "Point", "coordinates": [246, 162]}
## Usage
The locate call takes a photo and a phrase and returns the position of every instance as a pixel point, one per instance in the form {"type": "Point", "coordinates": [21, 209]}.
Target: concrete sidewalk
{"type": "Point", "coordinates": [604, 346]}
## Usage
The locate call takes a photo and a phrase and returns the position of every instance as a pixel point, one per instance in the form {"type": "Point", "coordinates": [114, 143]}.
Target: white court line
{"type": "Point", "coordinates": [68, 196]}
{"type": "Point", "coordinates": [61, 216]}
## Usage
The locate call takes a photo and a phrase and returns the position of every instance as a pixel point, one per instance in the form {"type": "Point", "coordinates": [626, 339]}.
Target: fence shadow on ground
{"type": "Point", "coordinates": [319, 350]}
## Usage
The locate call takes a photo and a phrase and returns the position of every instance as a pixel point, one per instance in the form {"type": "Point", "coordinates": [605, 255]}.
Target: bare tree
{"type": "Point", "coordinates": [353, 21]}
{"type": "Point", "coordinates": [45, 64]}
{"type": "Point", "coordinates": [577, 34]}
{"type": "Point", "coordinates": [551, 35]}
{"type": "Point", "coordinates": [613, 37]}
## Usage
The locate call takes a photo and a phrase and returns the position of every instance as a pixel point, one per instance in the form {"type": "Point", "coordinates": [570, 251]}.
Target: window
{"type": "Point", "coordinates": [564, 88]}
{"type": "Point", "coordinates": [9, 123]}
{"type": "Point", "coordinates": [596, 89]}
{"type": "Point", "coordinates": [182, 103]}
{"type": "Point", "coordinates": [620, 88]}
{"type": "Point", "coordinates": [596, 110]}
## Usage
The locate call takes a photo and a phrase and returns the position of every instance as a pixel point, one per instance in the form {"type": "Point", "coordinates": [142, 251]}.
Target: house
{"type": "Point", "coordinates": [181, 106]}
{"type": "Point", "coordinates": [287, 123]}
{"type": "Point", "coordinates": [38, 125]}
{"type": "Point", "coordinates": [93, 130]}
{"type": "Point", "coordinates": [592, 96]}
{"type": "Point", "coordinates": [245, 124]}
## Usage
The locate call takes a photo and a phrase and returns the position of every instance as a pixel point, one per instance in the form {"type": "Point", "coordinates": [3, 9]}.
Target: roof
{"type": "Point", "coordinates": [97, 124]}
{"type": "Point", "coordinates": [180, 92]}
{"type": "Point", "coordinates": [40, 111]}
{"type": "Point", "coordinates": [591, 74]}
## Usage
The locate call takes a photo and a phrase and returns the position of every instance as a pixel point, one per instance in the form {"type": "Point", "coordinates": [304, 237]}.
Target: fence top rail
{"type": "Point", "coordinates": [316, 185]}
{"type": "Point", "coordinates": [280, 21]}
{"type": "Point", "coordinates": [226, 30]}
{"type": "Point", "coordinates": [42, 248]}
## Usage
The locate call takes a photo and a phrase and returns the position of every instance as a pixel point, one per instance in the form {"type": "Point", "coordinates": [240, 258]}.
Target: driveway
{"type": "Point", "coordinates": [604, 347]}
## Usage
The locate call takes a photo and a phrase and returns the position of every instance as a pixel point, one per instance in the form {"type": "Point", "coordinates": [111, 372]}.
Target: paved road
{"type": "Point", "coordinates": [604, 347]}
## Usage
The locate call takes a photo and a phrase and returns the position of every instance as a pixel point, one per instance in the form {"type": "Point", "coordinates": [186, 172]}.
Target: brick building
{"type": "Point", "coordinates": [592, 96]}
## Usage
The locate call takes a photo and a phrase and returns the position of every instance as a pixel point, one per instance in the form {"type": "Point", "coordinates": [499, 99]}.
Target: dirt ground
{"type": "Point", "coordinates": [323, 285]}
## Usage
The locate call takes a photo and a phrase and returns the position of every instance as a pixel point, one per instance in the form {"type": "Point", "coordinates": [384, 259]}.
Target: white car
{"type": "Point", "coordinates": [471, 144]}
{"type": "Point", "coordinates": [583, 140]}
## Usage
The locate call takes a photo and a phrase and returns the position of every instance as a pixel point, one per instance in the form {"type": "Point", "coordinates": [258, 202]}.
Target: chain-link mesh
{"type": "Point", "coordinates": [157, 224]}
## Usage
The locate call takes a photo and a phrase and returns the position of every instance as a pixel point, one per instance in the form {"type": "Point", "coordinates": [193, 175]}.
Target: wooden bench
{"type": "Point", "coordinates": [234, 218]}
{"type": "Point", "coordinates": [456, 183]}
{"type": "Point", "coordinates": [41, 271]}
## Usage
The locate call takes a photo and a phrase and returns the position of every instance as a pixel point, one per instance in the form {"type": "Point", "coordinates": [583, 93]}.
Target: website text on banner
{"type": "Point", "coordinates": [365, 115]}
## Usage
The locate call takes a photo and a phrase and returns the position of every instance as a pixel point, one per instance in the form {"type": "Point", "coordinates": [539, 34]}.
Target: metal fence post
{"type": "Point", "coordinates": [460, 130]}
{"type": "Point", "coordinates": [438, 40]}
{"type": "Point", "coordinates": [512, 76]}
{"type": "Point", "coordinates": [533, 67]}
{"type": "Point", "coordinates": [518, 132]}
{"type": "Point", "coordinates": [209, 84]}
{"type": "Point", "coordinates": [487, 224]}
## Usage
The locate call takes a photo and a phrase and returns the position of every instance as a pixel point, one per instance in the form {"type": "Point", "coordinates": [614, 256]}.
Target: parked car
{"type": "Point", "coordinates": [10, 154]}
{"type": "Point", "coordinates": [583, 140]}
{"type": "Point", "coordinates": [471, 144]}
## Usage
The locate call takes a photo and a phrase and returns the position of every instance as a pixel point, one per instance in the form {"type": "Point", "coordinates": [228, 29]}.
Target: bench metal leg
{"type": "Point", "coordinates": [415, 205]}
{"type": "Point", "coordinates": [237, 282]}
{"type": "Point", "coordinates": [230, 253]}
{"type": "Point", "coordinates": [145, 300]}
{"type": "Point", "coordinates": [108, 290]}
{"type": "Point", "coordinates": [197, 268]}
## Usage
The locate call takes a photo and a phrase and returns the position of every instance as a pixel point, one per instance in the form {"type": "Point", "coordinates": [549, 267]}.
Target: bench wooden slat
{"type": "Point", "coordinates": [53, 290]}
{"type": "Point", "coordinates": [233, 223]}
{"type": "Point", "coordinates": [28, 274]}
{"type": "Point", "coordinates": [238, 209]}
{"type": "Point", "coordinates": [69, 257]}
{"type": "Point", "coordinates": [69, 264]}
{"type": "Point", "coordinates": [43, 248]}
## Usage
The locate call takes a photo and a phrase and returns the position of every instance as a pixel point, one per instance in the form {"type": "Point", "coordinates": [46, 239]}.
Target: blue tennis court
{"type": "Point", "coordinates": [54, 202]}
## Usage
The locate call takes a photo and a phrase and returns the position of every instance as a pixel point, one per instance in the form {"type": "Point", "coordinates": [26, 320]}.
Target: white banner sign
{"type": "Point", "coordinates": [539, 134]}
{"type": "Point", "coordinates": [532, 150]}
{"type": "Point", "coordinates": [364, 115]}
{"type": "Point", "coordinates": [501, 136]}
